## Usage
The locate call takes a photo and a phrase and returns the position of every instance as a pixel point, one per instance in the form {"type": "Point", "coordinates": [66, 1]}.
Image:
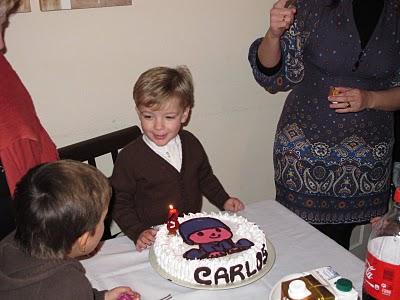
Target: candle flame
{"type": "Point", "coordinates": [171, 206]}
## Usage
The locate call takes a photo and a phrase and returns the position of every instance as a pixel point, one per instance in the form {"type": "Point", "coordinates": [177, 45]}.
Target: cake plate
{"type": "Point", "coordinates": [264, 270]}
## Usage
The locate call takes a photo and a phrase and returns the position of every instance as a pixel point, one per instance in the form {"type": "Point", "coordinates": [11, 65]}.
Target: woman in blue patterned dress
{"type": "Point", "coordinates": [332, 155]}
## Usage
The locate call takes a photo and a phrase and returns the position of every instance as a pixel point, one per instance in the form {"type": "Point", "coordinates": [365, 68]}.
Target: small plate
{"type": "Point", "coordinates": [276, 290]}
{"type": "Point", "coordinates": [265, 270]}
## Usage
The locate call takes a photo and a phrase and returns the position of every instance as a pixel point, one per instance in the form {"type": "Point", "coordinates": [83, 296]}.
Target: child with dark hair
{"type": "Point", "coordinates": [60, 209]}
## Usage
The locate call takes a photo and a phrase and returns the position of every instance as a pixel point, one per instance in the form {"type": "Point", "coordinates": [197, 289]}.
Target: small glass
{"type": "Point", "coordinates": [333, 91]}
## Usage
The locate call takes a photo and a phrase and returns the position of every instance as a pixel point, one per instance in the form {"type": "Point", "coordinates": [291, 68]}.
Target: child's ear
{"type": "Point", "coordinates": [82, 242]}
{"type": "Point", "coordinates": [185, 115]}
{"type": "Point", "coordinates": [80, 245]}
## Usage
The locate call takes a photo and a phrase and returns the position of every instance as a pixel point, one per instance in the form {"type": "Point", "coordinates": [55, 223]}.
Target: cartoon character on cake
{"type": "Point", "coordinates": [213, 237]}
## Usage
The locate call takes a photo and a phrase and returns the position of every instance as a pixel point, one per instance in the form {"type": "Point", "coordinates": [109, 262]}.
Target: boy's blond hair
{"type": "Point", "coordinates": [55, 204]}
{"type": "Point", "coordinates": [156, 86]}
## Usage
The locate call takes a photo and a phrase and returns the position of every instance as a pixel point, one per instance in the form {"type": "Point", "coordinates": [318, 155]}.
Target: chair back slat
{"type": "Point", "coordinates": [89, 149]}
{"type": "Point", "coordinates": [91, 161]}
{"type": "Point", "coordinates": [114, 155]}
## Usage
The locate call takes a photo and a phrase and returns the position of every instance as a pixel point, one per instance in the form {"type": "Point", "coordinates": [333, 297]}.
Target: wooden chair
{"type": "Point", "coordinates": [90, 149]}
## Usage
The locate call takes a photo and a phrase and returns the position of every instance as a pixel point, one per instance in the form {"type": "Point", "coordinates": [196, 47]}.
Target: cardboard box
{"type": "Point", "coordinates": [318, 291]}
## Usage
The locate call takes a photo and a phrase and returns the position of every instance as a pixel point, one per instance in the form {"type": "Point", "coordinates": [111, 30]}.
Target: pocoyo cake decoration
{"type": "Point", "coordinates": [213, 251]}
{"type": "Point", "coordinates": [213, 237]}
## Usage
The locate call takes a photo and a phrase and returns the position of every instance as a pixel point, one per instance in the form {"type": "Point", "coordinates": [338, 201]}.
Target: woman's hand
{"type": "Point", "coordinates": [146, 239]}
{"type": "Point", "coordinates": [281, 18]}
{"type": "Point", "coordinates": [348, 100]}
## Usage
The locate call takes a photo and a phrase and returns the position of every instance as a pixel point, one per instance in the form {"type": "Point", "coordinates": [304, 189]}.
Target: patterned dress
{"type": "Point", "coordinates": [333, 168]}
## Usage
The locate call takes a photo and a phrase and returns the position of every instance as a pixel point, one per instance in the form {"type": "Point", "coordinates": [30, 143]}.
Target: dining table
{"type": "Point", "coordinates": [298, 248]}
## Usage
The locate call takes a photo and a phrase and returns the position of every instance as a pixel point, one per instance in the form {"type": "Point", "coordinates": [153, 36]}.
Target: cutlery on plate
{"type": "Point", "coordinates": [168, 297]}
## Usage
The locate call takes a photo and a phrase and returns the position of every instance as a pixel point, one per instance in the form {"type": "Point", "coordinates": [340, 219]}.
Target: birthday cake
{"type": "Point", "coordinates": [215, 249]}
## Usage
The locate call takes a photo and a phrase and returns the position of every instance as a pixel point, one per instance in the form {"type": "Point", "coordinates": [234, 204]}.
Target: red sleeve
{"type": "Point", "coordinates": [21, 156]}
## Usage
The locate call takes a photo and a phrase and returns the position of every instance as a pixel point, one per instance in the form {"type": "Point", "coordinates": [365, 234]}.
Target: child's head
{"type": "Point", "coordinates": [163, 97]}
{"type": "Point", "coordinates": [155, 87]}
{"type": "Point", "coordinates": [58, 205]}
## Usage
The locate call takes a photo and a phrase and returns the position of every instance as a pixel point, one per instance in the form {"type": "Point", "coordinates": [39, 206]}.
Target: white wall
{"type": "Point", "coordinates": [80, 66]}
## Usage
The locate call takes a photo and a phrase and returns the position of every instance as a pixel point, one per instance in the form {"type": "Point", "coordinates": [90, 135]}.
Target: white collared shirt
{"type": "Point", "coordinates": [171, 152]}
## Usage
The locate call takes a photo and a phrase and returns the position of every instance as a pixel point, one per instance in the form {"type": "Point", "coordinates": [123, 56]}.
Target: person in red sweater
{"type": "Point", "coordinates": [24, 143]}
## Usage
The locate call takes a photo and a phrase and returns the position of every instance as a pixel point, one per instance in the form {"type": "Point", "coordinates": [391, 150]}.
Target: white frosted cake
{"type": "Point", "coordinates": [213, 249]}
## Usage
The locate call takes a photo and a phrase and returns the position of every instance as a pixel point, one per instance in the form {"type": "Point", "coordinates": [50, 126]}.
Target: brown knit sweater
{"type": "Point", "coordinates": [26, 277]}
{"type": "Point", "coordinates": [145, 184]}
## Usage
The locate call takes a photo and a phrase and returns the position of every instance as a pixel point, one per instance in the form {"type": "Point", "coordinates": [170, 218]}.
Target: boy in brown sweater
{"type": "Point", "coordinates": [167, 165]}
{"type": "Point", "coordinates": [60, 209]}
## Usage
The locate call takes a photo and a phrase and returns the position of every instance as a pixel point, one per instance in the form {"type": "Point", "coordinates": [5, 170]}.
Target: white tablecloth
{"type": "Point", "coordinates": [299, 248]}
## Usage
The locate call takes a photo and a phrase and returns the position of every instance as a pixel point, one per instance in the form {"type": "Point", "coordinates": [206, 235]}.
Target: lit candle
{"type": "Point", "coordinates": [172, 223]}
{"type": "Point", "coordinates": [172, 212]}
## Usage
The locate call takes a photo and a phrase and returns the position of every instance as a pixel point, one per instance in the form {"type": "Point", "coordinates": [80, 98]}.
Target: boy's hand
{"type": "Point", "coordinates": [146, 239]}
{"type": "Point", "coordinates": [117, 292]}
{"type": "Point", "coordinates": [233, 205]}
